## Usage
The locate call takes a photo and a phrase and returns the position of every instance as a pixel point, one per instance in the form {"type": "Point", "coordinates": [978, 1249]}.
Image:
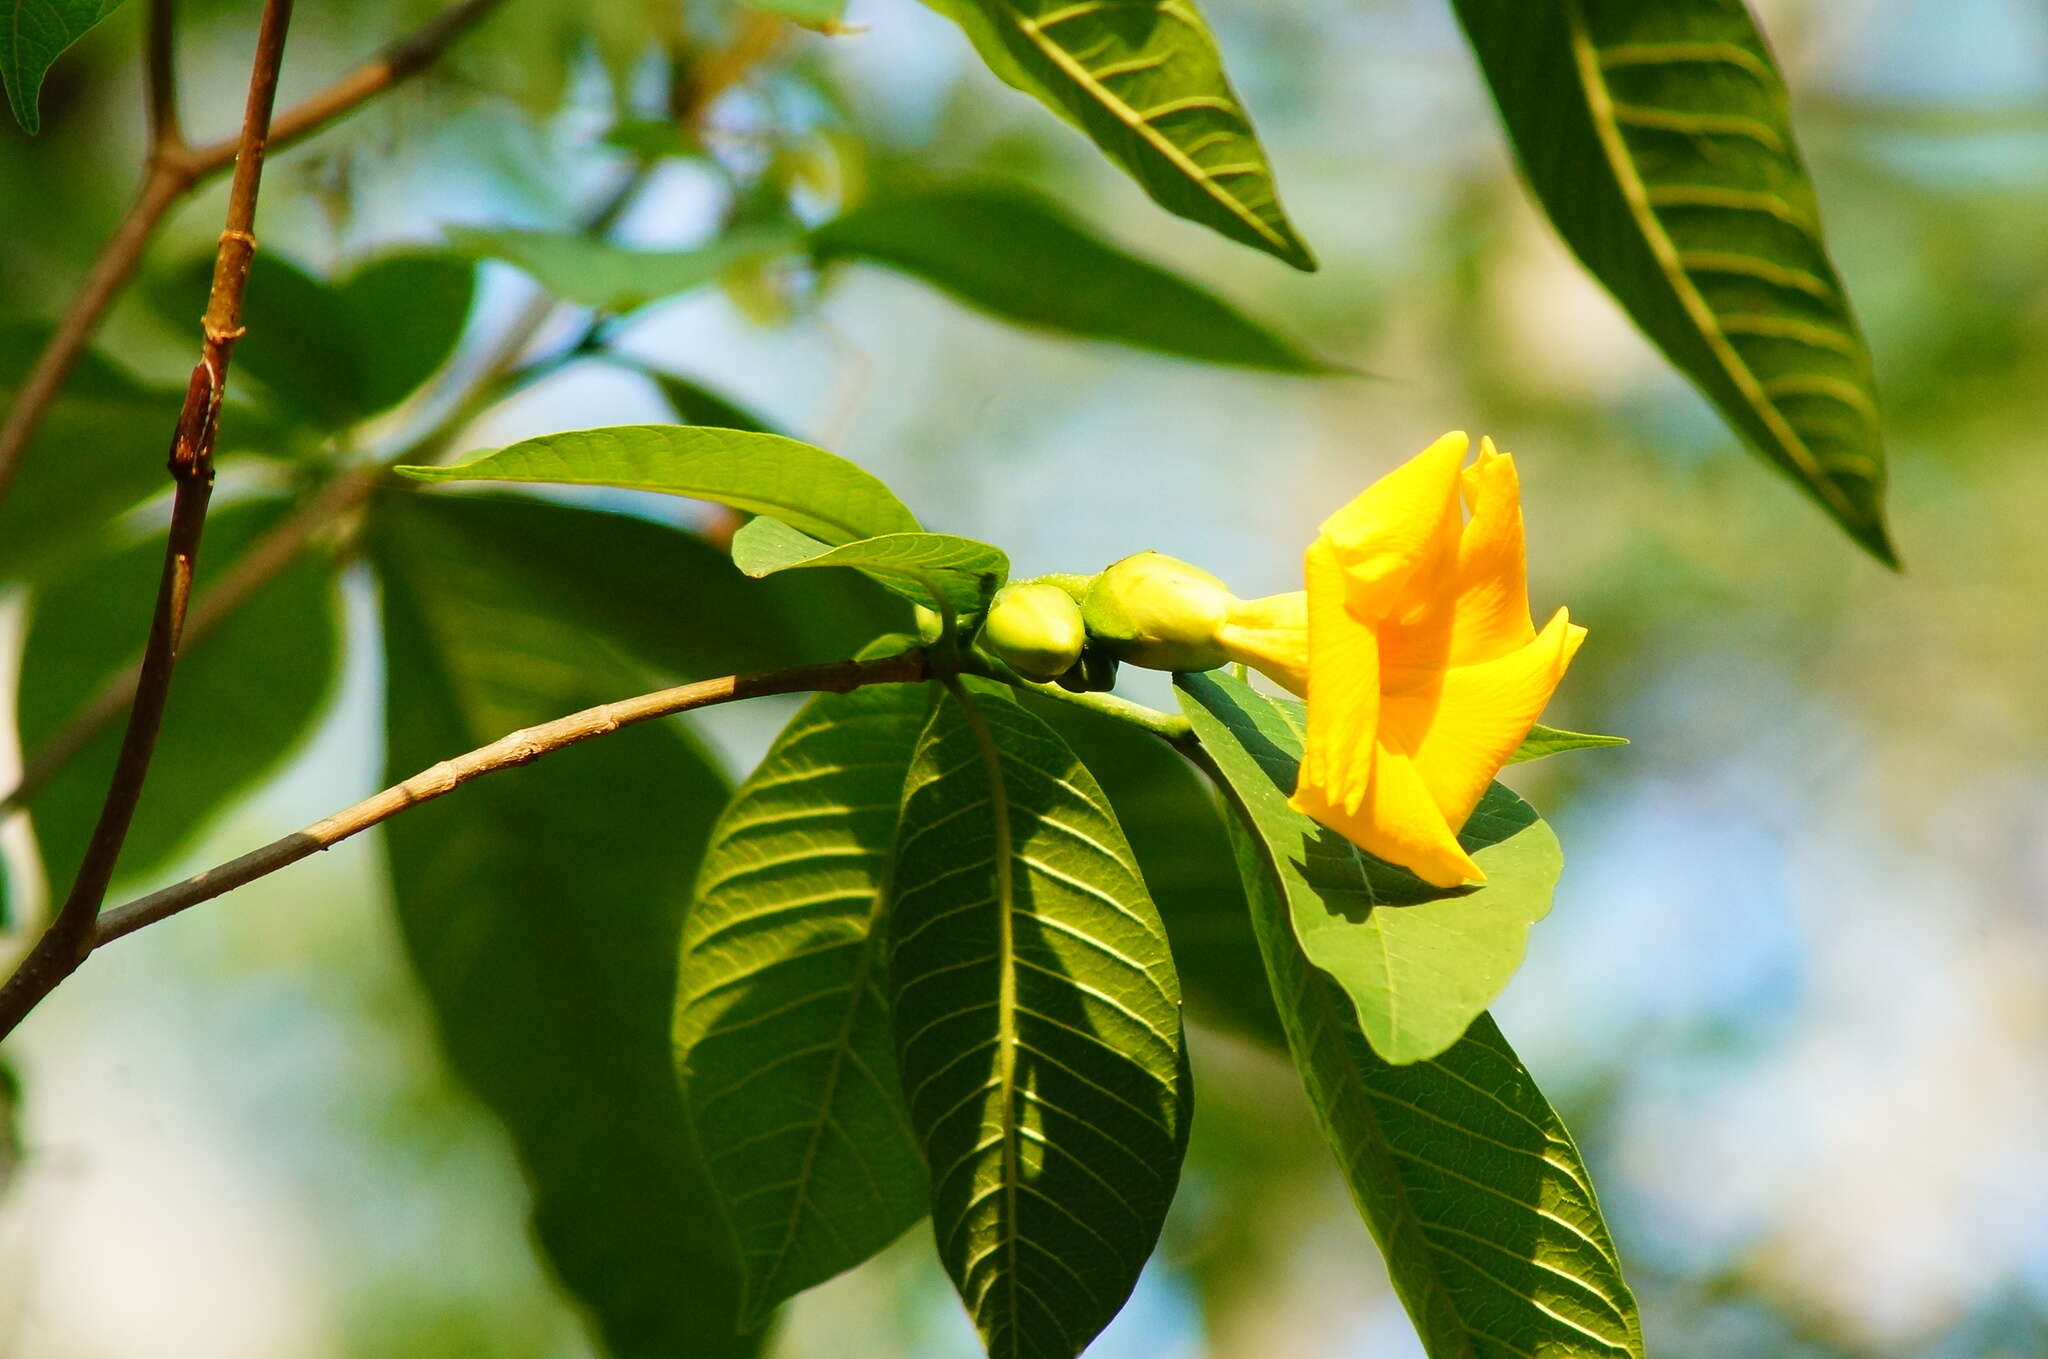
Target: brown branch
{"type": "Point", "coordinates": [507, 752]}
{"type": "Point", "coordinates": [175, 170]}
{"type": "Point", "coordinates": [65, 944]}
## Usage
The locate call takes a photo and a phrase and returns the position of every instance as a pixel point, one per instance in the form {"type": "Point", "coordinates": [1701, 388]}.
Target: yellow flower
{"type": "Point", "coordinates": [1414, 648]}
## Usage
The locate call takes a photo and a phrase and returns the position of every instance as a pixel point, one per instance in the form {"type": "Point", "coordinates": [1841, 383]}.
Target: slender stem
{"type": "Point", "coordinates": [1169, 727]}
{"type": "Point", "coordinates": [65, 944]}
{"type": "Point", "coordinates": [507, 752]}
{"type": "Point", "coordinates": [175, 170]}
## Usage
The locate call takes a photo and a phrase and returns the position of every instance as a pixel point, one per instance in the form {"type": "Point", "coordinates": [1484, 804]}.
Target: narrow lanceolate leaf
{"type": "Point", "coordinates": [825, 496]}
{"type": "Point", "coordinates": [1418, 962]}
{"type": "Point", "coordinates": [1038, 1029]}
{"type": "Point", "coordinates": [1145, 81]}
{"type": "Point", "coordinates": [1542, 741]}
{"type": "Point", "coordinates": [782, 1019]}
{"type": "Point", "coordinates": [542, 912]}
{"type": "Point", "coordinates": [1466, 1177]}
{"type": "Point", "coordinates": [937, 570]}
{"type": "Point", "coordinates": [33, 34]}
{"type": "Point", "coordinates": [1018, 257]}
{"type": "Point", "coordinates": [1657, 136]}
{"type": "Point", "coordinates": [614, 278]}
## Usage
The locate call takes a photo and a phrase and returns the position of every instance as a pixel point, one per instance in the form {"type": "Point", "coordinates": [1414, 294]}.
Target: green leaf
{"type": "Point", "coordinates": [823, 15]}
{"type": "Point", "coordinates": [808, 488]}
{"type": "Point", "coordinates": [1542, 741]}
{"type": "Point", "coordinates": [1016, 256]}
{"type": "Point", "coordinates": [666, 599]}
{"type": "Point", "coordinates": [936, 570]}
{"type": "Point", "coordinates": [542, 911]}
{"type": "Point", "coordinates": [92, 457]}
{"type": "Point", "coordinates": [613, 278]}
{"type": "Point", "coordinates": [1175, 826]}
{"type": "Point", "coordinates": [33, 34]}
{"type": "Point", "coordinates": [1418, 962]}
{"type": "Point", "coordinates": [263, 676]}
{"type": "Point", "coordinates": [1037, 1021]}
{"type": "Point", "coordinates": [696, 404]}
{"type": "Point", "coordinates": [1658, 138]}
{"type": "Point", "coordinates": [1467, 1179]}
{"type": "Point", "coordinates": [1145, 81]}
{"type": "Point", "coordinates": [782, 1021]}
{"type": "Point", "coordinates": [336, 352]}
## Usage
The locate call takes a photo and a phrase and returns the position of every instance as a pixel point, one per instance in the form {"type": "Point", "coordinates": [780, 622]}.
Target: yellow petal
{"type": "Point", "coordinates": [1343, 684]}
{"type": "Point", "coordinates": [1396, 526]}
{"type": "Point", "coordinates": [1461, 733]}
{"type": "Point", "coordinates": [1493, 587]}
{"type": "Point", "coordinates": [1271, 636]}
{"type": "Point", "coordinates": [1398, 822]}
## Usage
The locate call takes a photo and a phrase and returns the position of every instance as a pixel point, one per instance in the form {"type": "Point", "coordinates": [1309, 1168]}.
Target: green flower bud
{"type": "Point", "coordinates": [1159, 612]}
{"type": "Point", "coordinates": [1034, 627]}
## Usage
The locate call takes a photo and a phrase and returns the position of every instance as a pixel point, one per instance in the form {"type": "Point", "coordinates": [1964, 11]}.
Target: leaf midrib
{"type": "Point", "coordinates": [1634, 193]}
{"type": "Point", "coordinates": [1151, 136]}
{"type": "Point", "coordinates": [1006, 986]}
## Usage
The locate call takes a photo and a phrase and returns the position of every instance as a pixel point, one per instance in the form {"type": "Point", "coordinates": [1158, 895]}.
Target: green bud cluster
{"type": "Point", "coordinates": [1149, 609]}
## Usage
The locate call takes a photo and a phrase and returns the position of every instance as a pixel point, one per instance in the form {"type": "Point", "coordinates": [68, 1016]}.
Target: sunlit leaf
{"type": "Point", "coordinates": [936, 570]}
{"type": "Point", "coordinates": [542, 910]}
{"type": "Point", "coordinates": [33, 34]}
{"type": "Point", "coordinates": [1418, 962]}
{"type": "Point", "coordinates": [1657, 136]}
{"type": "Point", "coordinates": [1468, 1180]}
{"type": "Point", "coordinates": [577, 268]}
{"type": "Point", "coordinates": [808, 488]}
{"type": "Point", "coordinates": [264, 676]}
{"type": "Point", "coordinates": [782, 1022]}
{"type": "Point", "coordinates": [1037, 1021]}
{"type": "Point", "coordinates": [1542, 741]}
{"type": "Point", "coordinates": [1145, 81]}
{"type": "Point", "coordinates": [1018, 257]}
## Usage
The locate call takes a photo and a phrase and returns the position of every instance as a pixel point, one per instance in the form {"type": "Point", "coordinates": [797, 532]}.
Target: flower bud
{"type": "Point", "coordinates": [1159, 612]}
{"type": "Point", "coordinates": [1034, 627]}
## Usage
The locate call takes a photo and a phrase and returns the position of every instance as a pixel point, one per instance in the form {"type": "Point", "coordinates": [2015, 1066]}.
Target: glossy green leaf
{"type": "Point", "coordinates": [542, 911]}
{"type": "Point", "coordinates": [614, 278]}
{"type": "Point", "coordinates": [33, 34]}
{"type": "Point", "coordinates": [662, 597]}
{"type": "Point", "coordinates": [1542, 741]}
{"type": "Point", "coordinates": [1018, 257]}
{"type": "Point", "coordinates": [264, 676]}
{"type": "Point", "coordinates": [1175, 826]}
{"type": "Point", "coordinates": [936, 570]}
{"type": "Point", "coordinates": [1418, 962]}
{"type": "Point", "coordinates": [808, 488]}
{"type": "Point", "coordinates": [1145, 81]}
{"type": "Point", "coordinates": [782, 1021]}
{"type": "Point", "coordinates": [336, 351]}
{"type": "Point", "coordinates": [1037, 1021]}
{"type": "Point", "coordinates": [1658, 138]}
{"type": "Point", "coordinates": [1466, 1177]}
